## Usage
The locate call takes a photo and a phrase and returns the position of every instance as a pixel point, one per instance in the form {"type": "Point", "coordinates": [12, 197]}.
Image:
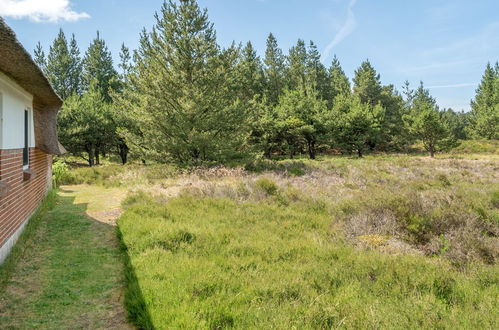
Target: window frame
{"type": "Point", "coordinates": [27, 136]}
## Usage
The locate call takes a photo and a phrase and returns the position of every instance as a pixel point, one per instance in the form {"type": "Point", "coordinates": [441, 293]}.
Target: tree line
{"type": "Point", "coordinates": [181, 97]}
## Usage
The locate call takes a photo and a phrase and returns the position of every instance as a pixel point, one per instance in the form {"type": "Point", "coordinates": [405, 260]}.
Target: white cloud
{"type": "Point", "coordinates": [41, 10]}
{"type": "Point", "coordinates": [453, 85]}
{"type": "Point", "coordinates": [347, 28]}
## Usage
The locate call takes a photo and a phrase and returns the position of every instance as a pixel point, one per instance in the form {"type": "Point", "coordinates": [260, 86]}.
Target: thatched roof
{"type": "Point", "coordinates": [16, 63]}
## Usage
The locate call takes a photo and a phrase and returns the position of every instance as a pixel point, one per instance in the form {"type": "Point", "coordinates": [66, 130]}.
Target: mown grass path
{"type": "Point", "coordinates": [67, 273]}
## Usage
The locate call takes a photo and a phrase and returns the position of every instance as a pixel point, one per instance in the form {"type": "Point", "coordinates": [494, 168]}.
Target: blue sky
{"type": "Point", "coordinates": [444, 43]}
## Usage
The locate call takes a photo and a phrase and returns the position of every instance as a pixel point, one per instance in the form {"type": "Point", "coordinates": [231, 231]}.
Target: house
{"type": "Point", "coordinates": [28, 137]}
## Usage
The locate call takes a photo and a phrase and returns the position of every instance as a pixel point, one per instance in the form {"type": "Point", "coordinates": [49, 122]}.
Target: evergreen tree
{"type": "Point", "coordinates": [354, 124]}
{"type": "Point", "coordinates": [250, 73]}
{"type": "Point", "coordinates": [100, 76]}
{"type": "Point", "coordinates": [39, 57]}
{"type": "Point", "coordinates": [486, 90]}
{"type": "Point", "coordinates": [182, 89]}
{"type": "Point", "coordinates": [457, 122]}
{"type": "Point", "coordinates": [125, 63]}
{"type": "Point", "coordinates": [317, 77]}
{"type": "Point", "coordinates": [425, 122]}
{"type": "Point", "coordinates": [297, 66]}
{"type": "Point", "coordinates": [63, 65]}
{"type": "Point", "coordinates": [484, 118]}
{"type": "Point", "coordinates": [367, 84]}
{"type": "Point", "coordinates": [274, 70]}
{"type": "Point", "coordinates": [408, 92]}
{"type": "Point", "coordinates": [121, 120]}
{"type": "Point", "coordinates": [75, 67]}
{"type": "Point", "coordinates": [339, 83]}
{"type": "Point", "coordinates": [58, 66]}
{"type": "Point", "coordinates": [392, 137]}
{"type": "Point", "coordinates": [85, 122]}
{"type": "Point", "coordinates": [98, 68]}
{"type": "Point", "coordinates": [300, 118]}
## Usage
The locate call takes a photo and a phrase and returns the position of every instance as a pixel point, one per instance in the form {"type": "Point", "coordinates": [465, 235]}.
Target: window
{"type": "Point", "coordinates": [26, 139]}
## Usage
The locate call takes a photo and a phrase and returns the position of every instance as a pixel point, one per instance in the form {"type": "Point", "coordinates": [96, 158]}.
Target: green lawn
{"type": "Point", "coordinates": [66, 271]}
{"type": "Point", "coordinates": [279, 252]}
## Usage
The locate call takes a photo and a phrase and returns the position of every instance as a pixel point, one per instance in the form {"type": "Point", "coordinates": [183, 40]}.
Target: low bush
{"type": "Point", "coordinates": [267, 186]}
{"type": "Point", "coordinates": [422, 219]}
{"type": "Point", "coordinates": [477, 147]}
{"type": "Point", "coordinates": [60, 173]}
{"type": "Point", "coordinates": [286, 167]}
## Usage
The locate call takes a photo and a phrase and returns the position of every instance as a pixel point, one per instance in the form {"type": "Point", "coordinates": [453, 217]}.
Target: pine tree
{"type": "Point", "coordinates": [425, 122]}
{"type": "Point", "coordinates": [393, 137]}
{"type": "Point", "coordinates": [317, 77]}
{"type": "Point", "coordinates": [39, 57]}
{"type": "Point", "coordinates": [63, 65]}
{"type": "Point", "coordinates": [457, 122]}
{"type": "Point", "coordinates": [274, 70]}
{"type": "Point", "coordinates": [99, 76]}
{"type": "Point", "coordinates": [75, 67]}
{"type": "Point", "coordinates": [181, 91]}
{"type": "Point", "coordinates": [98, 68]}
{"type": "Point", "coordinates": [58, 66]}
{"type": "Point", "coordinates": [486, 90]}
{"type": "Point", "coordinates": [484, 118]}
{"type": "Point", "coordinates": [125, 63]}
{"type": "Point", "coordinates": [250, 73]}
{"type": "Point", "coordinates": [121, 119]}
{"type": "Point", "coordinates": [300, 119]}
{"type": "Point", "coordinates": [367, 84]}
{"type": "Point", "coordinates": [355, 124]}
{"type": "Point", "coordinates": [297, 67]}
{"type": "Point", "coordinates": [408, 93]}
{"type": "Point", "coordinates": [85, 122]}
{"type": "Point", "coordinates": [339, 83]}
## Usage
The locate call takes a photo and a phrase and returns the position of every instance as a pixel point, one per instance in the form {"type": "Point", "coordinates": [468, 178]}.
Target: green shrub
{"type": "Point", "coordinates": [104, 175]}
{"type": "Point", "coordinates": [477, 147]}
{"type": "Point", "coordinates": [139, 197]}
{"type": "Point", "coordinates": [294, 168]}
{"type": "Point", "coordinates": [287, 167]}
{"type": "Point", "coordinates": [267, 185]}
{"type": "Point", "coordinates": [61, 173]}
{"type": "Point", "coordinates": [156, 173]}
{"type": "Point", "coordinates": [418, 227]}
{"type": "Point", "coordinates": [444, 180]}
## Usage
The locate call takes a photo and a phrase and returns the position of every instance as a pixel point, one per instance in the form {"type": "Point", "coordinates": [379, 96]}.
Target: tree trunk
{"type": "Point", "coordinates": [97, 156]}
{"type": "Point", "coordinates": [123, 150]}
{"type": "Point", "coordinates": [268, 153]}
{"type": "Point", "coordinates": [311, 149]}
{"type": "Point", "coordinates": [359, 153]}
{"type": "Point", "coordinates": [91, 155]}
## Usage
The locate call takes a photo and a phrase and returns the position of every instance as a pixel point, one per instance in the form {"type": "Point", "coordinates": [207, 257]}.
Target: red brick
{"type": "Point", "coordinates": [24, 197]}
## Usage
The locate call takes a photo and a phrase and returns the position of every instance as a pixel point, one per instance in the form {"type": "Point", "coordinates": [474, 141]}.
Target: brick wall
{"type": "Point", "coordinates": [21, 195]}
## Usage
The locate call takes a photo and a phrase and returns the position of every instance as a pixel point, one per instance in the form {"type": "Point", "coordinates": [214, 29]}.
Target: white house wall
{"type": "Point", "coordinates": [13, 101]}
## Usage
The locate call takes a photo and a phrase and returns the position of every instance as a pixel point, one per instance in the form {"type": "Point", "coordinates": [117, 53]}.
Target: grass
{"type": "Point", "coordinates": [380, 242]}
{"type": "Point", "coordinates": [387, 241]}
{"type": "Point", "coordinates": [66, 271]}
{"type": "Point", "coordinates": [214, 263]}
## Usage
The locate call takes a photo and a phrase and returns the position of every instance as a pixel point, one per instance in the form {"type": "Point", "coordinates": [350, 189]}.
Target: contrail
{"type": "Point", "coordinates": [346, 29]}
